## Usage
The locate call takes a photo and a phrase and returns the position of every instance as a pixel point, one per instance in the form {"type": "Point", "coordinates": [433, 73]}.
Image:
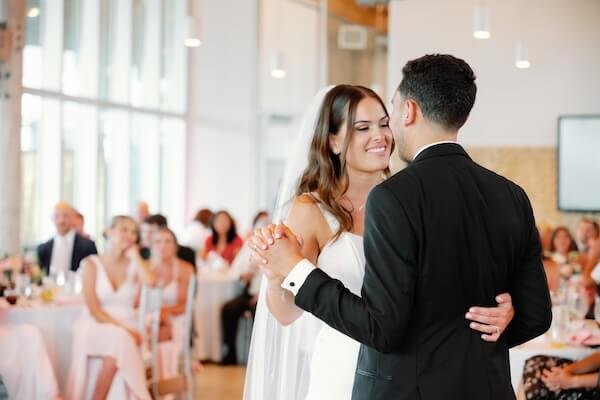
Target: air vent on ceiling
{"type": "Point", "coordinates": [352, 37]}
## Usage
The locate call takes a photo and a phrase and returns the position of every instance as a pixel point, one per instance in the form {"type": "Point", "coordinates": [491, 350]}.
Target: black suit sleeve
{"type": "Point", "coordinates": [529, 288]}
{"type": "Point", "coordinates": [93, 249]}
{"type": "Point", "coordinates": [381, 317]}
{"type": "Point", "coordinates": [43, 256]}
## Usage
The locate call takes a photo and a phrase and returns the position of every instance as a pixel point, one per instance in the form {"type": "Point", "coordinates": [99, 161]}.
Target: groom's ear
{"type": "Point", "coordinates": [410, 112]}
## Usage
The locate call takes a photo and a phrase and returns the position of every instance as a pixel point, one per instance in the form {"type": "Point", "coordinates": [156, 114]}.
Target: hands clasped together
{"type": "Point", "coordinates": [277, 250]}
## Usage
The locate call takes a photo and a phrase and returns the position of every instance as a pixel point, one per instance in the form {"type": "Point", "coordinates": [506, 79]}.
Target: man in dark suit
{"type": "Point", "coordinates": [67, 248]}
{"type": "Point", "coordinates": [440, 235]}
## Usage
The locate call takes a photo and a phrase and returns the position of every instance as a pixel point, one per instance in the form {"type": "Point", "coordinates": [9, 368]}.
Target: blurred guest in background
{"type": "Point", "coordinates": [79, 224]}
{"type": "Point", "coordinates": [173, 275]}
{"type": "Point", "coordinates": [150, 227]}
{"type": "Point", "coordinates": [549, 378]}
{"type": "Point", "coordinates": [104, 335]}
{"type": "Point", "coordinates": [561, 244]}
{"type": "Point", "coordinates": [246, 302]}
{"type": "Point", "coordinates": [224, 240]}
{"type": "Point", "coordinates": [197, 231]}
{"type": "Point", "coordinates": [67, 248]}
{"type": "Point", "coordinates": [588, 232]}
{"type": "Point", "coordinates": [143, 212]}
{"type": "Point", "coordinates": [262, 218]}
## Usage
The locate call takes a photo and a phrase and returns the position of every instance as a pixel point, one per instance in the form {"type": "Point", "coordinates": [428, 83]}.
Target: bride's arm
{"type": "Point", "coordinates": [303, 218]}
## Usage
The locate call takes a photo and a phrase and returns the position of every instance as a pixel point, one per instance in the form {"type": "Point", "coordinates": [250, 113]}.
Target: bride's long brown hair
{"type": "Point", "coordinates": [326, 173]}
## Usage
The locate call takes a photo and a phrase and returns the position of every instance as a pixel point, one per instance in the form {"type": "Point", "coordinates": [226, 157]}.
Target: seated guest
{"type": "Point", "coordinates": [262, 218]}
{"type": "Point", "coordinates": [593, 263]}
{"type": "Point", "coordinates": [234, 309]}
{"type": "Point", "coordinates": [149, 228]}
{"type": "Point", "coordinates": [67, 248]}
{"type": "Point", "coordinates": [558, 378]}
{"type": "Point", "coordinates": [79, 225]}
{"type": "Point", "coordinates": [561, 244]}
{"type": "Point", "coordinates": [105, 340]}
{"type": "Point", "coordinates": [25, 367]}
{"type": "Point", "coordinates": [143, 212]}
{"type": "Point", "coordinates": [588, 231]}
{"type": "Point", "coordinates": [197, 231]}
{"type": "Point", "coordinates": [173, 275]}
{"type": "Point", "coordinates": [224, 239]}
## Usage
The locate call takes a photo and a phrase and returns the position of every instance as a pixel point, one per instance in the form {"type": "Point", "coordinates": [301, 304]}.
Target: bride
{"type": "Point", "coordinates": [342, 152]}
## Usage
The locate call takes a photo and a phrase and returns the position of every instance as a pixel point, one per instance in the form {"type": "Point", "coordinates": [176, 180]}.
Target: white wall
{"type": "Point", "coordinates": [222, 103]}
{"type": "Point", "coordinates": [514, 107]}
{"type": "Point", "coordinates": [290, 27]}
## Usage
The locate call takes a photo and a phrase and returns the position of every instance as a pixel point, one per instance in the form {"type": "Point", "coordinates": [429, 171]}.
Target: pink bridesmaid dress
{"type": "Point", "coordinates": [93, 340]}
{"type": "Point", "coordinates": [169, 351]}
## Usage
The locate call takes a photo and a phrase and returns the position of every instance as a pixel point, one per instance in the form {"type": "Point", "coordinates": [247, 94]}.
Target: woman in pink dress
{"type": "Point", "coordinates": [173, 275]}
{"type": "Point", "coordinates": [106, 361]}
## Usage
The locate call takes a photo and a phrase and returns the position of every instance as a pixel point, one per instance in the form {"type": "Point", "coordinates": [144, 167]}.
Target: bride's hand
{"type": "Point", "coordinates": [492, 321]}
{"type": "Point", "coordinates": [261, 239]}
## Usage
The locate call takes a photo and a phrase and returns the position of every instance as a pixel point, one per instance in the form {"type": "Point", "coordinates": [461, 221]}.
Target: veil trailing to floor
{"type": "Point", "coordinates": [280, 356]}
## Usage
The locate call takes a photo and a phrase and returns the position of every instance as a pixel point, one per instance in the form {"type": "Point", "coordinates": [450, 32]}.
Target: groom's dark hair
{"type": "Point", "coordinates": [443, 86]}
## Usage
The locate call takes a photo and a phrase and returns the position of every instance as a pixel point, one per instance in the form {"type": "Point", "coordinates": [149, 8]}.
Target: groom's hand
{"type": "Point", "coordinates": [492, 321]}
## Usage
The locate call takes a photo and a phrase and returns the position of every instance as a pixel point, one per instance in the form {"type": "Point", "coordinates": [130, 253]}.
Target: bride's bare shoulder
{"type": "Point", "coordinates": [305, 212]}
{"type": "Point", "coordinates": [305, 205]}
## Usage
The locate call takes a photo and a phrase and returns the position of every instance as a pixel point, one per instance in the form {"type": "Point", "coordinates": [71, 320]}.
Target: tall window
{"type": "Point", "coordinates": [103, 110]}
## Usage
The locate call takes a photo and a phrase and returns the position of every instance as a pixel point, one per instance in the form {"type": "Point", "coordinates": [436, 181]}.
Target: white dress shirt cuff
{"type": "Point", "coordinates": [297, 276]}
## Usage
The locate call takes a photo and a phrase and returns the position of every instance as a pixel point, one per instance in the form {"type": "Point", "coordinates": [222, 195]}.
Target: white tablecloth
{"type": "Point", "coordinates": [55, 323]}
{"type": "Point", "coordinates": [541, 346]}
{"type": "Point", "coordinates": [214, 290]}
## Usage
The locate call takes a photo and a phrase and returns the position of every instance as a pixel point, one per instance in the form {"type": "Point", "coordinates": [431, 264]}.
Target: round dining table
{"type": "Point", "coordinates": [55, 322]}
{"type": "Point", "coordinates": [542, 345]}
{"type": "Point", "coordinates": [215, 288]}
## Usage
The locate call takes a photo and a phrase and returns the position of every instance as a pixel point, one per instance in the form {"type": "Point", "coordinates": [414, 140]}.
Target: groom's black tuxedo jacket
{"type": "Point", "coordinates": [441, 235]}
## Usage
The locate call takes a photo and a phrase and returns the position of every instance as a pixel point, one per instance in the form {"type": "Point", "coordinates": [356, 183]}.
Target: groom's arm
{"type": "Point", "coordinates": [528, 286]}
{"type": "Point", "coordinates": [380, 318]}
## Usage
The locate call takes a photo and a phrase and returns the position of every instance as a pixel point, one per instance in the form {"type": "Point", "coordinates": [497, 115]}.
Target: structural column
{"type": "Point", "coordinates": [12, 20]}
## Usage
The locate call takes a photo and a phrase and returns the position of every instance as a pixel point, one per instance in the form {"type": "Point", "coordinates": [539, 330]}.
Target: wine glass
{"type": "Point", "coordinates": [578, 305]}
{"type": "Point", "coordinates": [560, 319]}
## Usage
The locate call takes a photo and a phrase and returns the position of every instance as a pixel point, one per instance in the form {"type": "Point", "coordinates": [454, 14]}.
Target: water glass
{"type": "Point", "coordinates": [560, 322]}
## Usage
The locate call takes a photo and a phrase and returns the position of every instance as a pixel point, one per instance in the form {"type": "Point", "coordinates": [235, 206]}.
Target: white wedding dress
{"type": "Point", "coordinates": [333, 362]}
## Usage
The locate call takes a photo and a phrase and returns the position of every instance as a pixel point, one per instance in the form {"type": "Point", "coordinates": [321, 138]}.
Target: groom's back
{"type": "Point", "coordinates": [476, 238]}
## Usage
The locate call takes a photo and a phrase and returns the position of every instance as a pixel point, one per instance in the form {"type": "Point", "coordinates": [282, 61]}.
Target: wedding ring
{"type": "Point", "coordinates": [497, 330]}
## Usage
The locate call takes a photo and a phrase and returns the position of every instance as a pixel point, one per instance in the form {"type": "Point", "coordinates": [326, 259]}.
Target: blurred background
{"type": "Point", "coordinates": [117, 110]}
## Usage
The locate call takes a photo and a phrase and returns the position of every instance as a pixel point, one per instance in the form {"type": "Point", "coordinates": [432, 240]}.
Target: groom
{"type": "Point", "coordinates": [440, 235]}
